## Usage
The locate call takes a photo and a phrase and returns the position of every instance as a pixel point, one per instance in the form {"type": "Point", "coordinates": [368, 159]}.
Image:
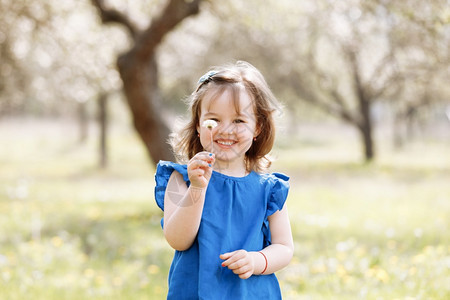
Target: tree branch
{"type": "Point", "coordinates": [109, 15]}
{"type": "Point", "coordinates": [307, 93]}
{"type": "Point", "coordinates": [340, 108]}
{"type": "Point", "coordinates": [173, 14]}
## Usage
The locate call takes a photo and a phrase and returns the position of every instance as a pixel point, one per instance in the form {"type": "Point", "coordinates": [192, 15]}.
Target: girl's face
{"type": "Point", "coordinates": [235, 131]}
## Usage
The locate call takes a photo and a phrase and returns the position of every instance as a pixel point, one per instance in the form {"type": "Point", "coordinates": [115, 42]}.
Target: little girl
{"type": "Point", "coordinates": [225, 217]}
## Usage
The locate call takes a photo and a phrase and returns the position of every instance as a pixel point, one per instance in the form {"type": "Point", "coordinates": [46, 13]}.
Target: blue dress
{"type": "Point", "coordinates": [234, 217]}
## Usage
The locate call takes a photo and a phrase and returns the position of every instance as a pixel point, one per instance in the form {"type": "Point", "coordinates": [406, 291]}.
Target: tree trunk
{"type": "Point", "coordinates": [140, 83]}
{"type": "Point", "coordinates": [82, 123]}
{"type": "Point", "coordinates": [398, 131]}
{"type": "Point", "coordinates": [364, 102]}
{"type": "Point", "coordinates": [103, 126]}
{"type": "Point", "coordinates": [139, 72]}
{"type": "Point", "coordinates": [366, 130]}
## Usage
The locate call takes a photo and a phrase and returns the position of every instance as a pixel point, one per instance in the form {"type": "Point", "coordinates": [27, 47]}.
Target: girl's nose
{"type": "Point", "coordinates": [227, 129]}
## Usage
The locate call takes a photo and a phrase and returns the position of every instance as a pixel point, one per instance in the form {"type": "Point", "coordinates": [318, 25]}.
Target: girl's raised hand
{"type": "Point", "coordinates": [200, 169]}
{"type": "Point", "coordinates": [240, 262]}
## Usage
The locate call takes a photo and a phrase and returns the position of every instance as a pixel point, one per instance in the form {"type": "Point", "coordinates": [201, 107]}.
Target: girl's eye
{"type": "Point", "coordinates": [238, 121]}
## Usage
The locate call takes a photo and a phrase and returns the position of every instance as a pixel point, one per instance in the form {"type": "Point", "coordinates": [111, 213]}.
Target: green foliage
{"type": "Point", "coordinates": [71, 231]}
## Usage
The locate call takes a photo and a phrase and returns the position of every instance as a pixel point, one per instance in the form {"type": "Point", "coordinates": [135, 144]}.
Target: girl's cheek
{"type": "Point", "coordinates": [245, 129]}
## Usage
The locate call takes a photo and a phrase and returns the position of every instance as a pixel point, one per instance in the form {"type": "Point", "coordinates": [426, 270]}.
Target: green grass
{"type": "Point", "coordinates": [69, 230]}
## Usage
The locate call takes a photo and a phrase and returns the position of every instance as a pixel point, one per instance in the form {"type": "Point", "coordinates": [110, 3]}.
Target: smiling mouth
{"type": "Point", "coordinates": [226, 142]}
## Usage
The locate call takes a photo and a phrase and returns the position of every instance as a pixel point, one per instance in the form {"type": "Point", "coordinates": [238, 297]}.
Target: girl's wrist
{"type": "Point", "coordinates": [196, 187]}
{"type": "Point", "coordinates": [196, 194]}
{"type": "Point", "coordinates": [265, 261]}
{"type": "Point", "coordinates": [259, 263]}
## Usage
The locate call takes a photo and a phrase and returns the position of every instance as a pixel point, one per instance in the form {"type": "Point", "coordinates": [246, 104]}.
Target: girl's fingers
{"type": "Point", "coordinates": [232, 259]}
{"type": "Point", "coordinates": [246, 275]}
{"type": "Point", "coordinates": [238, 266]}
{"type": "Point", "coordinates": [228, 258]}
{"type": "Point", "coordinates": [197, 172]}
{"type": "Point", "coordinates": [226, 255]}
{"type": "Point", "coordinates": [198, 164]}
{"type": "Point", "coordinates": [200, 169]}
{"type": "Point", "coordinates": [206, 156]}
{"type": "Point", "coordinates": [241, 268]}
{"type": "Point", "coordinates": [239, 262]}
{"type": "Point", "coordinates": [201, 160]}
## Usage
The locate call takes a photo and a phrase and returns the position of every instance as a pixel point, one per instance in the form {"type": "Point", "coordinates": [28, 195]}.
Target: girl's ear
{"type": "Point", "coordinates": [257, 131]}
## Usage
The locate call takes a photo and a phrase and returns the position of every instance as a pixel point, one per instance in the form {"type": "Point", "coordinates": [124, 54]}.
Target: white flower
{"type": "Point", "coordinates": [210, 124]}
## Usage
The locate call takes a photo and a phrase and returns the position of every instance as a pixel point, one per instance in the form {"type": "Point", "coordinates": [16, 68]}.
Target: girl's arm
{"type": "Point", "coordinates": [280, 252]}
{"type": "Point", "coordinates": [276, 256]}
{"type": "Point", "coordinates": [183, 206]}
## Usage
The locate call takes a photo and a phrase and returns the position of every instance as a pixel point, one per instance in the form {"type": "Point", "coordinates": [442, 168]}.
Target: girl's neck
{"type": "Point", "coordinates": [234, 169]}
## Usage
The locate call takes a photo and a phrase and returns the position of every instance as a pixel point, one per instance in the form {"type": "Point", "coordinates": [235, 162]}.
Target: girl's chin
{"type": "Point", "coordinates": [227, 158]}
{"type": "Point", "coordinates": [220, 156]}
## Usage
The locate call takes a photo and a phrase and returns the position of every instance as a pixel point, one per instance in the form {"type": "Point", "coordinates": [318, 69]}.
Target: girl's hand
{"type": "Point", "coordinates": [240, 262]}
{"type": "Point", "coordinates": [200, 169]}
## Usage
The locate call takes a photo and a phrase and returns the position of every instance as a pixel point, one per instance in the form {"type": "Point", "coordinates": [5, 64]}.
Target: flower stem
{"type": "Point", "coordinates": [212, 142]}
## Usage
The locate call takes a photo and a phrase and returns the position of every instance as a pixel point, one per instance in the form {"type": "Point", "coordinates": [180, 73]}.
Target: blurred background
{"type": "Point", "coordinates": [90, 90]}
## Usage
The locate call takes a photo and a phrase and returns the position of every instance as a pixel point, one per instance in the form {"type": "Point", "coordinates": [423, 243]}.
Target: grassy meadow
{"type": "Point", "coordinates": [69, 230]}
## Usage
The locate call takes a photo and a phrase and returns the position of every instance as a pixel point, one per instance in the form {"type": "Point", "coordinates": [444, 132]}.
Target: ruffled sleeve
{"type": "Point", "coordinates": [277, 197]}
{"type": "Point", "coordinates": [278, 194]}
{"type": "Point", "coordinates": [163, 171]}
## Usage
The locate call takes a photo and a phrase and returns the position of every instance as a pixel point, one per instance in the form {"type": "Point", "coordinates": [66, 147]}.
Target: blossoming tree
{"type": "Point", "coordinates": [138, 69]}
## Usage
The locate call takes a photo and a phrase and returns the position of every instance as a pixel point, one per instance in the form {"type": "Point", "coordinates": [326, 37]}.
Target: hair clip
{"type": "Point", "coordinates": [207, 77]}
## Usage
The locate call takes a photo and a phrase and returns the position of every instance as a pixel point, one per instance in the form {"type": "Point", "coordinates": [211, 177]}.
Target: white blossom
{"type": "Point", "coordinates": [210, 124]}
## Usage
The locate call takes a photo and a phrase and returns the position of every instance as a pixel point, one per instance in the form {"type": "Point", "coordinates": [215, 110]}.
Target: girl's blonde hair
{"type": "Point", "coordinates": [186, 142]}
